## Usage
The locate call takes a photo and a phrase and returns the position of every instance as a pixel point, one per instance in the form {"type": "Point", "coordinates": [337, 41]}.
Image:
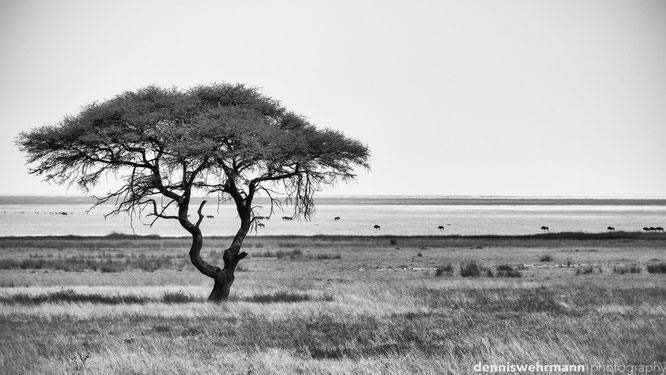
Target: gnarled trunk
{"type": "Point", "coordinates": [222, 287]}
{"type": "Point", "coordinates": [223, 278]}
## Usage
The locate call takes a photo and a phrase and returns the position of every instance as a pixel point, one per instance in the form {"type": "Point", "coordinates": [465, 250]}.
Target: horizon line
{"type": "Point", "coordinates": [389, 196]}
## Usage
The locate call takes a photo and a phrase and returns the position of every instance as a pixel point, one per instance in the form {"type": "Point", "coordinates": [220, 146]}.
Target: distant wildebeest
{"type": "Point", "coordinates": [287, 218]}
{"type": "Point", "coordinates": [262, 218]}
{"type": "Point", "coordinates": [63, 213]}
{"type": "Point", "coordinates": [610, 229]}
{"type": "Point", "coordinates": [659, 229]}
{"type": "Point", "coordinates": [260, 225]}
{"type": "Point", "coordinates": [210, 217]}
{"type": "Point", "coordinates": [652, 229]}
{"type": "Point", "coordinates": [377, 227]}
{"type": "Point", "coordinates": [440, 227]}
{"type": "Point", "coordinates": [336, 218]}
{"type": "Point", "coordinates": [545, 228]}
{"type": "Point", "coordinates": [646, 229]}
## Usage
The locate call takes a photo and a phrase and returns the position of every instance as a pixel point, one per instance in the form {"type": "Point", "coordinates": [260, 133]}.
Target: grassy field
{"type": "Point", "coordinates": [357, 305]}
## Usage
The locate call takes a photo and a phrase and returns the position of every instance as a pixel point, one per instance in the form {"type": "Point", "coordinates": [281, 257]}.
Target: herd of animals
{"type": "Point", "coordinates": [337, 218]}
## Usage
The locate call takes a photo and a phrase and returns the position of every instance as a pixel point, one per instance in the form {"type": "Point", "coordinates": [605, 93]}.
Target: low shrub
{"type": "Point", "coordinates": [505, 270]}
{"type": "Point", "coordinates": [584, 270]}
{"type": "Point", "coordinates": [471, 269]}
{"type": "Point", "coordinates": [656, 268]}
{"type": "Point", "coordinates": [632, 268]}
{"type": "Point", "coordinates": [293, 254]}
{"type": "Point", "coordinates": [326, 256]}
{"type": "Point", "coordinates": [446, 269]}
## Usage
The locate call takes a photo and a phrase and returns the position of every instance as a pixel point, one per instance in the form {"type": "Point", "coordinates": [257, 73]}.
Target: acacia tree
{"type": "Point", "coordinates": [167, 144]}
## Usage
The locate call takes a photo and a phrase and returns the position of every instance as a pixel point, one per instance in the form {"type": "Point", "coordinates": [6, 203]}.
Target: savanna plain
{"type": "Point", "coordinates": [333, 305]}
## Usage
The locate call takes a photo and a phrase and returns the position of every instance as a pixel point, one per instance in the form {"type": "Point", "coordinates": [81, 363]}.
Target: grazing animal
{"type": "Point", "coordinates": [377, 227]}
{"type": "Point", "coordinates": [545, 228]}
{"type": "Point", "coordinates": [260, 225]}
{"type": "Point", "coordinates": [659, 229]}
{"type": "Point", "coordinates": [652, 229]}
{"type": "Point", "coordinates": [440, 227]}
{"type": "Point", "coordinates": [610, 229]}
{"type": "Point", "coordinates": [336, 218]}
{"type": "Point", "coordinates": [287, 218]}
{"type": "Point", "coordinates": [646, 229]}
{"type": "Point", "coordinates": [210, 216]}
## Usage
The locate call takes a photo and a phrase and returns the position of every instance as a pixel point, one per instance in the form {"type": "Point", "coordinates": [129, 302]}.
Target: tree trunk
{"type": "Point", "coordinates": [224, 278]}
{"type": "Point", "coordinates": [222, 287]}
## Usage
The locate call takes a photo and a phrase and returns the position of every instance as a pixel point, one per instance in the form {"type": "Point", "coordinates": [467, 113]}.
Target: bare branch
{"type": "Point", "coordinates": [201, 216]}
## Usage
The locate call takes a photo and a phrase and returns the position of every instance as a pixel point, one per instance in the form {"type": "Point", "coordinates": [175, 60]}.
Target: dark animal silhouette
{"type": "Point", "coordinates": [440, 227]}
{"type": "Point", "coordinates": [659, 229]}
{"type": "Point", "coordinates": [336, 218]}
{"type": "Point", "coordinates": [287, 218]}
{"type": "Point", "coordinates": [610, 229]}
{"type": "Point", "coordinates": [652, 229]}
{"type": "Point", "coordinates": [377, 227]}
{"type": "Point", "coordinates": [646, 229]}
{"type": "Point", "coordinates": [260, 225]}
{"type": "Point", "coordinates": [210, 216]}
{"type": "Point", "coordinates": [545, 228]}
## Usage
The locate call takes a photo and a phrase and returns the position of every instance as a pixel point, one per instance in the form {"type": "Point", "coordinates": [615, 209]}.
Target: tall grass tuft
{"type": "Point", "coordinates": [546, 258]}
{"type": "Point", "coordinates": [68, 295]}
{"type": "Point", "coordinates": [285, 296]}
{"type": "Point", "coordinates": [178, 297]}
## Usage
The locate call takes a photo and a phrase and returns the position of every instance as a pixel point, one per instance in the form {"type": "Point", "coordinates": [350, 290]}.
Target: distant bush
{"type": "Point", "coordinates": [470, 269]}
{"type": "Point", "coordinates": [293, 254]}
{"type": "Point", "coordinates": [326, 256]}
{"type": "Point", "coordinates": [584, 270]}
{"type": "Point", "coordinates": [110, 267]}
{"type": "Point", "coordinates": [656, 268]}
{"type": "Point", "coordinates": [505, 270]}
{"type": "Point", "coordinates": [446, 269]}
{"type": "Point", "coordinates": [632, 268]}
{"type": "Point", "coordinates": [287, 244]}
{"type": "Point", "coordinates": [546, 258]}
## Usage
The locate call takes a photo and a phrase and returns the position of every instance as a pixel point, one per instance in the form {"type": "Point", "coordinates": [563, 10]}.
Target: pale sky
{"type": "Point", "coordinates": [509, 98]}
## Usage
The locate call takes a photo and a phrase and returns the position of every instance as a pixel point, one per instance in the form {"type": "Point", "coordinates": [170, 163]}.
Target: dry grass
{"type": "Point", "coordinates": [375, 309]}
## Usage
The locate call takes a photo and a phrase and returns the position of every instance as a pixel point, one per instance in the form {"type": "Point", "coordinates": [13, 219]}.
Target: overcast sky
{"type": "Point", "coordinates": [510, 98]}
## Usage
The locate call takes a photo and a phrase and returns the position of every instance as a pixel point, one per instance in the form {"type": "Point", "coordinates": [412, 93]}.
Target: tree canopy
{"type": "Point", "coordinates": [219, 138]}
{"type": "Point", "coordinates": [167, 144]}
